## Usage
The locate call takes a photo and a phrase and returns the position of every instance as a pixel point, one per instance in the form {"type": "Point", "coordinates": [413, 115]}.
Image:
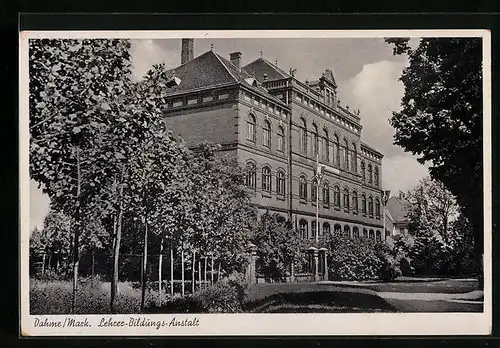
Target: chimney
{"type": "Point", "coordinates": [187, 50]}
{"type": "Point", "coordinates": [235, 58]}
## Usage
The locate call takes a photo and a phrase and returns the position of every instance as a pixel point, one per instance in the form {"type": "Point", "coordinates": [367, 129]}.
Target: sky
{"type": "Point", "coordinates": [365, 69]}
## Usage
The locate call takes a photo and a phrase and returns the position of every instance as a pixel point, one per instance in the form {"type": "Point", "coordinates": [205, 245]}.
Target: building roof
{"type": "Point", "coordinates": [211, 70]}
{"type": "Point", "coordinates": [261, 66]}
{"type": "Point", "coordinates": [398, 209]}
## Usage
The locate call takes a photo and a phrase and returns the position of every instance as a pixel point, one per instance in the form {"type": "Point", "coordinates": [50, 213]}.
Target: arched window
{"type": "Point", "coordinates": [326, 228]}
{"type": "Point", "coordinates": [347, 232]}
{"type": "Point", "coordinates": [355, 232]}
{"type": "Point", "coordinates": [355, 201]}
{"type": "Point", "coordinates": [387, 234]}
{"type": "Point", "coordinates": [354, 161]}
{"type": "Point", "coordinates": [372, 235]}
{"type": "Point", "coordinates": [251, 132]}
{"type": "Point", "coordinates": [303, 228]}
{"type": "Point", "coordinates": [363, 171]}
{"type": "Point", "coordinates": [346, 154]}
{"type": "Point", "coordinates": [336, 150]}
{"type": "Point", "coordinates": [370, 175]}
{"type": "Point", "coordinates": [370, 206]}
{"type": "Point", "coordinates": [266, 179]}
{"type": "Point", "coordinates": [363, 204]}
{"type": "Point", "coordinates": [313, 229]}
{"type": "Point", "coordinates": [281, 139]}
{"type": "Point", "coordinates": [326, 193]}
{"type": "Point", "coordinates": [346, 199]}
{"type": "Point", "coordinates": [251, 177]}
{"type": "Point", "coordinates": [377, 208]}
{"type": "Point", "coordinates": [365, 233]}
{"type": "Point", "coordinates": [336, 196]}
{"type": "Point", "coordinates": [281, 220]}
{"type": "Point", "coordinates": [376, 178]}
{"type": "Point", "coordinates": [303, 136]}
{"type": "Point", "coordinates": [379, 236]}
{"type": "Point", "coordinates": [303, 188]}
{"type": "Point", "coordinates": [314, 191]}
{"type": "Point", "coordinates": [315, 140]}
{"type": "Point", "coordinates": [337, 229]}
{"type": "Point", "coordinates": [280, 183]}
{"type": "Point", "coordinates": [326, 145]}
{"type": "Point", "coordinates": [266, 134]}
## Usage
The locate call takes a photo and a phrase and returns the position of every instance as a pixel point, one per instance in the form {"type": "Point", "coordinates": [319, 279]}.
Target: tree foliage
{"type": "Point", "coordinates": [278, 246]}
{"type": "Point", "coordinates": [440, 237]}
{"type": "Point", "coordinates": [441, 116]}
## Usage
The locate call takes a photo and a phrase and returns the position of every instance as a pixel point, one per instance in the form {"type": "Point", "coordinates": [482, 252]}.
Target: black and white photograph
{"type": "Point", "coordinates": [255, 182]}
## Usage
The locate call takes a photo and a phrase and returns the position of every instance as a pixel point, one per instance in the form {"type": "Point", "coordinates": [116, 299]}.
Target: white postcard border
{"type": "Point", "coordinates": [259, 324]}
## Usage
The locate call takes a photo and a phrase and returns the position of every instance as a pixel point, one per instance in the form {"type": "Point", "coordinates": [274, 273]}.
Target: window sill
{"type": "Point", "coordinates": [266, 194]}
{"type": "Point", "coordinates": [337, 208]}
{"type": "Point", "coordinates": [326, 206]}
{"type": "Point", "coordinates": [281, 197]}
{"type": "Point", "coordinates": [303, 201]}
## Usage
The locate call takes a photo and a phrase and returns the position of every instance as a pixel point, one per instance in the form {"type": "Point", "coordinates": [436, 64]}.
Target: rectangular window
{"type": "Point", "coordinates": [223, 96]}
{"type": "Point", "coordinates": [177, 103]}
{"type": "Point", "coordinates": [192, 101]}
{"type": "Point", "coordinates": [208, 99]}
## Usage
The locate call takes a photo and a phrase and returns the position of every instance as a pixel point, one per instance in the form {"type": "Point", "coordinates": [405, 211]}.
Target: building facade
{"type": "Point", "coordinates": [396, 211]}
{"type": "Point", "coordinates": [281, 128]}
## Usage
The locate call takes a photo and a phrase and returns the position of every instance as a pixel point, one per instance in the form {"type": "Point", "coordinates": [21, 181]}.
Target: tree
{"type": "Point", "coordinates": [278, 246]}
{"type": "Point", "coordinates": [70, 84]}
{"type": "Point", "coordinates": [432, 210]}
{"type": "Point", "coordinates": [441, 117]}
{"type": "Point", "coordinates": [438, 229]}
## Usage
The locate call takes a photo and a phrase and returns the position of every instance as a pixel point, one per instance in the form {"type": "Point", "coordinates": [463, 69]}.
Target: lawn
{"type": "Point", "coordinates": [313, 298]}
{"type": "Point", "coordinates": [408, 285]}
{"type": "Point", "coordinates": [93, 297]}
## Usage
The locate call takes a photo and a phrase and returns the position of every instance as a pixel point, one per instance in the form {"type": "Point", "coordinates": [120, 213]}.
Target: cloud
{"type": "Point", "coordinates": [145, 53]}
{"type": "Point", "coordinates": [39, 206]}
{"type": "Point", "coordinates": [377, 92]}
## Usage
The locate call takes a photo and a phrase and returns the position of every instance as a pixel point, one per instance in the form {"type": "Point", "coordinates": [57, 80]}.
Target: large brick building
{"type": "Point", "coordinates": [279, 128]}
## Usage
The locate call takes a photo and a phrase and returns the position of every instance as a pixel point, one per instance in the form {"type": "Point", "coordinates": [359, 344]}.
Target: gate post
{"type": "Point", "coordinates": [252, 258]}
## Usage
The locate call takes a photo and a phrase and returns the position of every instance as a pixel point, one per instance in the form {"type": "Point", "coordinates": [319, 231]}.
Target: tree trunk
{"type": "Point", "coordinates": [218, 272]}
{"type": "Point", "coordinates": [211, 270]}
{"type": "Point", "coordinates": [49, 262]}
{"type": "Point", "coordinates": [144, 265]}
{"type": "Point", "coordinates": [171, 268]}
{"type": "Point", "coordinates": [43, 263]}
{"type": "Point", "coordinates": [116, 249]}
{"type": "Point", "coordinates": [160, 268]}
{"type": "Point", "coordinates": [182, 270]}
{"type": "Point", "coordinates": [76, 256]}
{"type": "Point", "coordinates": [192, 272]}
{"type": "Point", "coordinates": [199, 273]}
{"type": "Point", "coordinates": [93, 262]}
{"type": "Point", "coordinates": [205, 273]}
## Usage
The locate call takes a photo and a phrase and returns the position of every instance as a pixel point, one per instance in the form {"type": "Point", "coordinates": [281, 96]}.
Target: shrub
{"type": "Point", "coordinates": [352, 259]}
{"type": "Point", "coordinates": [225, 296]}
{"type": "Point", "coordinates": [178, 304]}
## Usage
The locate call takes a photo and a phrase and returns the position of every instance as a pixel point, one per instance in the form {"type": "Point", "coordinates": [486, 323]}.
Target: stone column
{"type": "Point", "coordinates": [325, 264]}
{"type": "Point", "coordinates": [316, 264]}
{"type": "Point", "coordinates": [252, 258]}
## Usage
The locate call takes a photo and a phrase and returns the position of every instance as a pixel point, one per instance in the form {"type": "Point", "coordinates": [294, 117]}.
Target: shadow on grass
{"type": "Point", "coordinates": [319, 302]}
